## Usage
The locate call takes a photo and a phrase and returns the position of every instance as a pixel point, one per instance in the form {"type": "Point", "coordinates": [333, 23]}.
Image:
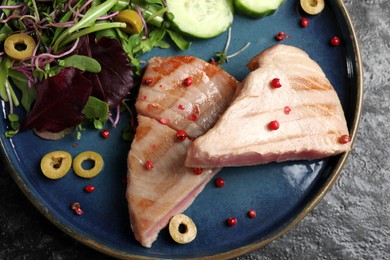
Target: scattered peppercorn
{"type": "Point", "coordinates": [273, 125]}
{"type": "Point", "coordinates": [275, 83]}
{"type": "Point", "coordinates": [198, 171]}
{"type": "Point", "coordinates": [181, 135]}
{"type": "Point", "coordinates": [281, 36]}
{"type": "Point", "coordinates": [231, 222]}
{"type": "Point", "coordinates": [187, 82]}
{"type": "Point", "coordinates": [164, 121]}
{"type": "Point", "coordinates": [335, 41]}
{"type": "Point", "coordinates": [252, 213]}
{"type": "Point", "coordinates": [219, 182]}
{"type": "Point", "coordinates": [287, 110]}
{"type": "Point", "coordinates": [192, 117]}
{"type": "Point", "coordinates": [89, 188]}
{"type": "Point", "coordinates": [148, 165]}
{"type": "Point", "coordinates": [148, 81]}
{"type": "Point", "coordinates": [76, 208]}
{"type": "Point", "coordinates": [344, 139]}
{"type": "Point", "coordinates": [304, 22]}
{"type": "Point", "coordinates": [105, 133]}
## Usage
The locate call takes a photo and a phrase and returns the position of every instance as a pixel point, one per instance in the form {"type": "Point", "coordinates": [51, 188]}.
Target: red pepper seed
{"type": "Point", "coordinates": [304, 22]}
{"type": "Point", "coordinates": [164, 121]}
{"type": "Point", "coordinates": [79, 211]}
{"type": "Point", "coordinates": [187, 81]}
{"type": "Point", "coordinates": [335, 41]}
{"type": "Point", "coordinates": [231, 222]}
{"type": "Point", "coordinates": [344, 139]}
{"type": "Point", "coordinates": [192, 117]}
{"type": "Point", "coordinates": [219, 182]}
{"type": "Point", "coordinates": [198, 171]}
{"type": "Point", "coordinates": [278, 38]}
{"type": "Point", "coordinates": [75, 205]}
{"type": "Point", "coordinates": [105, 133]}
{"type": "Point", "coordinates": [281, 36]}
{"type": "Point", "coordinates": [273, 125]}
{"type": "Point", "coordinates": [252, 213]}
{"type": "Point", "coordinates": [275, 83]}
{"type": "Point", "coordinates": [148, 165]}
{"type": "Point", "coordinates": [181, 135]}
{"type": "Point", "coordinates": [148, 81]}
{"type": "Point", "coordinates": [89, 188]}
{"type": "Point", "coordinates": [287, 110]}
{"type": "Point", "coordinates": [76, 208]}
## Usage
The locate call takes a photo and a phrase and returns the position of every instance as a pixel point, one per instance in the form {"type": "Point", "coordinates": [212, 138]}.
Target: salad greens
{"type": "Point", "coordinates": [69, 75]}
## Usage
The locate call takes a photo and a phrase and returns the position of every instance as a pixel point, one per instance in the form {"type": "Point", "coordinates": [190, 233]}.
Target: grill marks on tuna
{"type": "Point", "coordinates": [192, 108]}
{"type": "Point", "coordinates": [310, 130]}
{"type": "Point", "coordinates": [164, 106]}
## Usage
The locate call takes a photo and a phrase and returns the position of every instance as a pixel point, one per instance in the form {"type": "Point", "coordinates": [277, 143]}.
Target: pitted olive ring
{"type": "Point", "coordinates": [26, 42]}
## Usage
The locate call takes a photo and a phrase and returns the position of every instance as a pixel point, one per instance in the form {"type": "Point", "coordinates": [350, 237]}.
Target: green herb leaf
{"type": "Point", "coordinates": [81, 62]}
{"type": "Point", "coordinates": [95, 109]}
{"type": "Point", "coordinates": [5, 64]}
{"type": "Point", "coordinates": [5, 30]}
{"type": "Point", "coordinates": [28, 93]}
{"type": "Point", "coordinates": [14, 121]}
{"type": "Point", "coordinates": [11, 133]}
{"type": "Point", "coordinates": [92, 14]}
{"type": "Point", "coordinates": [128, 134]}
{"type": "Point", "coordinates": [179, 40]}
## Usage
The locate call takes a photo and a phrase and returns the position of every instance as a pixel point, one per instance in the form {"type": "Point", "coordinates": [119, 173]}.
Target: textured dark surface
{"type": "Point", "coordinates": [351, 222]}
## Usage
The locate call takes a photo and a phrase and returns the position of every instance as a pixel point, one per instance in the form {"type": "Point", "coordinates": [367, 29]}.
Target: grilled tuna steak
{"type": "Point", "coordinates": [285, 109]}
{"type": "Point", "coordinates": [177, 93]}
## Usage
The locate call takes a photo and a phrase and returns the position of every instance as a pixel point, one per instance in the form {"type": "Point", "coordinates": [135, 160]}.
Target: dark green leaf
{"type": "Point", "coordinates": [5, 64]}
{"type": "Point", "coordinates": [95, 109]}
{"type": "Point", "coordinates": [81, 62]}
{"type": "Point", "coordinates": [180, 42]}
{"type": "Point", "coordinates": [28, 93]}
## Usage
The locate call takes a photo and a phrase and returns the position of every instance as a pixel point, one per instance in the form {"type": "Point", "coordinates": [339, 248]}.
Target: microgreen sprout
{"type": "Point", "coordinates": [222, 56]}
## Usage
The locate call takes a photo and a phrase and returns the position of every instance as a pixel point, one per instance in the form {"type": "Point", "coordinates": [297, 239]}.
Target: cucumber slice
{"type": "Point", "coordinates": [201, 18]}
{"type": "Point", "coordinates": [257, 8]}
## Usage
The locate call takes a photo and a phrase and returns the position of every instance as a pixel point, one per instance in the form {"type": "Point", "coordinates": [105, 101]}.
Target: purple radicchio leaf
{"type": "Point", "coordinates": [114, 82]}
{"type": "Point", "coordinates": [60, 101]}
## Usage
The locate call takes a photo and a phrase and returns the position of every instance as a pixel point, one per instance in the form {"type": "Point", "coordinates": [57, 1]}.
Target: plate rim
{"type": "Point", "coordinates": [250, 247]}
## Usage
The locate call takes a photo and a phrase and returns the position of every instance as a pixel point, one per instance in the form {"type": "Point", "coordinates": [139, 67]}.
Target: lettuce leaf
{"type": "Point", "coordinates": [115, 80]}
{"type": "Point", "coordinates": [60, 101]}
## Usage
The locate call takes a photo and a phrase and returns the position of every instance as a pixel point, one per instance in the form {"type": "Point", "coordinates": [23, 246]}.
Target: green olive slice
{"type": "Point", "coordinates": [312, 7]}
{"type": "Point", "coordinates": [96, 159]}
{"type": "Point", "coordinates": [132, 19]}
{"type": "Point", "coordinates": [27, 46]}
{"type": "Point", "coordinates": [55, 165]}
{"type": "Point", "coordinates": [182, 229]}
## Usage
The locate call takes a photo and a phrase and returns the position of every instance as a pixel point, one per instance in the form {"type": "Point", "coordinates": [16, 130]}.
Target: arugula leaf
{"type": "Point", "coordinates": [179, 40]}
{"type": "Point", "coordinates": [92, 14]}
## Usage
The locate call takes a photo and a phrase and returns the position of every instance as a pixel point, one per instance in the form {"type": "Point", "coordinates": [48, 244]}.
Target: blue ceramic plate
{"type": "Point", "coordinates": [281, 193]}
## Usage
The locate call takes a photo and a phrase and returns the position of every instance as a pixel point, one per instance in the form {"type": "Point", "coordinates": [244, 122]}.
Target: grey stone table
{"type": "Point", "coordinates": [351, 222]}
